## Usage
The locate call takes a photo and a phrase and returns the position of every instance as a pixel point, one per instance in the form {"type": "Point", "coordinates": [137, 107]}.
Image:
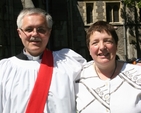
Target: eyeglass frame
{"type": "Point", "coordinates": [41, 30]}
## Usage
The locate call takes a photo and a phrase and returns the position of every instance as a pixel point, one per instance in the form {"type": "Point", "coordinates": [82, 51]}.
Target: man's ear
{"type": "Point", "coordinates": [50, 31]}
{"type": "Point", "coordinates": [19, 32]}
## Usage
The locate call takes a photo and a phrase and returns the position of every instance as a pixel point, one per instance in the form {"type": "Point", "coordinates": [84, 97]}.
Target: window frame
{"type": "Point", "coordinates": [112, 4]}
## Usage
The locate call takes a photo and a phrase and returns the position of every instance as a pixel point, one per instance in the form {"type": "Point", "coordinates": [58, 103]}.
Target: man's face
{"type": "Point", "coordinates": [34, 34]}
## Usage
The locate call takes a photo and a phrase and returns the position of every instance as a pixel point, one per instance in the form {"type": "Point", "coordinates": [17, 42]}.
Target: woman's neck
{"type": "Point", "coordinates": [107, 72]}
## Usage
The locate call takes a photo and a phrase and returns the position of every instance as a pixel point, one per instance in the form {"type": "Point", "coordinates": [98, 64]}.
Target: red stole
{"type": "Point", "coordinates": [41, 88]}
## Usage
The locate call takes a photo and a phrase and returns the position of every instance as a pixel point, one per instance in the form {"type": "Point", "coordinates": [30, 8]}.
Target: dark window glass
{"type": "Point", "coordinates": [112, 12]}
{"type": "Point", "coordinates": [109, 13]}
{"type": "Point", "coordinates": [116, 14]}
{"type": "Point", "coordinates": [89, 12]}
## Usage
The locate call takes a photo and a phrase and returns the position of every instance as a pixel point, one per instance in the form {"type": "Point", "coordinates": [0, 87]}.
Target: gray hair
{"type": "Point", "coordinates": [29, 11]}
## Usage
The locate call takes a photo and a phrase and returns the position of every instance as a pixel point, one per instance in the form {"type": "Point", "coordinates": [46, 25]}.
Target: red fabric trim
{"type": "Point", "coordinates": [41, 88]}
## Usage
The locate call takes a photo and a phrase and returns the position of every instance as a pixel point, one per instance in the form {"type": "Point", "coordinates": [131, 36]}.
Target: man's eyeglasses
{"type": "Point", "coordinates": [38, 30]}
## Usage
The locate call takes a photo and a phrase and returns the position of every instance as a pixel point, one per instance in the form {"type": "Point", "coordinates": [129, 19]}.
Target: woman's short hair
{"type": "Point", "coordinates": [101, 26]}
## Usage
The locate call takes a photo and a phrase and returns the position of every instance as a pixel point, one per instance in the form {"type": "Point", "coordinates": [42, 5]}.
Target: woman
{"type": "Point", "coordinates": [107, 85]}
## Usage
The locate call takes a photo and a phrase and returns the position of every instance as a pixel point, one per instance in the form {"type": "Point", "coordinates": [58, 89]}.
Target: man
{"type": "Point", "coordinates": [24, 78]}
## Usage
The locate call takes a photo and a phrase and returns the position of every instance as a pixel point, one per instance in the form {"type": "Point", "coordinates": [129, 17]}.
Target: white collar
{"type": "Point", "coordinates": [30, 57]}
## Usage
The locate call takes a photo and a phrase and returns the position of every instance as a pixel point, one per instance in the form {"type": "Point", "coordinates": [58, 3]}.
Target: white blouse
{"type": "Point", "coordinates": [119, 95]}
{"type": "Point", "coordinates": [17, 78]}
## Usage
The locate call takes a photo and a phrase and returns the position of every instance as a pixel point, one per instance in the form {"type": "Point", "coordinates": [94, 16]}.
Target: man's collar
{"type": "Point", "coordinates": [24, 56]}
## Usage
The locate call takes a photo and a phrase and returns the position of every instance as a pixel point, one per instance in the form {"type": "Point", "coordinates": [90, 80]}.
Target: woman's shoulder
{"type": "Point", "coordinates": [132, 74]}
{"type": "Point", "coordinates": [88, 67]}
{"type": "Point", "coordinates": [129, 65]}
{"type": "Point", "coordinates": [88, 64]}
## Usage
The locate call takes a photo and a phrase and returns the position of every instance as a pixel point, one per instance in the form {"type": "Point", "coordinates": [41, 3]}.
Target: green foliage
{"type": "Point", "coordinates": [132, 3]}
{"type": "Point", "coordinates": [139, 4]}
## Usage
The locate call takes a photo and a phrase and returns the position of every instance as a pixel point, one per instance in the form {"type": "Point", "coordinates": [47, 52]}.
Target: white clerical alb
{"type": "Point", "coordinates": [17, 78]}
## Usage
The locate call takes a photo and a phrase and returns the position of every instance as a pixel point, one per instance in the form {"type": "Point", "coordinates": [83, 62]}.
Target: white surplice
{"type": "Point", "coordinates": [17, 78]}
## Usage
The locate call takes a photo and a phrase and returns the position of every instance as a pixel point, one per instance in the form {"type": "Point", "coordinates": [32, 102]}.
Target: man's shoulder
{"type": "Point", "coordinates": [68, 55]}
{"type": "Point", "coordinates": [67, 52]}
{"type": "Point", "coordinates": [6, 60]}
{"type": "Point", "coordinates": [64, 51]}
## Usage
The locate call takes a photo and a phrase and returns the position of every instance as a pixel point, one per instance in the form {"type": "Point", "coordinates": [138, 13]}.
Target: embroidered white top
{"type": "Point", "coordinates": [119, 95]}
{"type": "Point", "coordinates": [17, 78]}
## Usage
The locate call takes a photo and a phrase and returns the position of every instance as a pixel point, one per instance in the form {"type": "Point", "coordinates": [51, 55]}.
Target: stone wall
{"type": "Point", "coordinates": [127, 33]}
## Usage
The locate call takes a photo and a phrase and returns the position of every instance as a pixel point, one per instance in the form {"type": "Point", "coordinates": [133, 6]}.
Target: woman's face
{"type": "Point", "coordinates": [34, 34]}
{"type": "Point", "coordinates": [102, 47]}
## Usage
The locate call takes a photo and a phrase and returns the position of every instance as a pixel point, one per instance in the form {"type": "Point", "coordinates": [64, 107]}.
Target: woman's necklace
{"type": "Point", "coordinates": [112, 73]}
{"type": "Point", "coordinates": [114, 70]}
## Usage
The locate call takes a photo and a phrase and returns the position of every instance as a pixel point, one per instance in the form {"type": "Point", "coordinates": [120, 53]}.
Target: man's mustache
{"type": "Point", "coordinates": [35, 39]}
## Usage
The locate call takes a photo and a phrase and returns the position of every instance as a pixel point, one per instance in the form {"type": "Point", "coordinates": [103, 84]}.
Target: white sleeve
{"type": "Point", "coordinates": [72, 61]}
{"type": "Point", "coordinates": [3, 69]}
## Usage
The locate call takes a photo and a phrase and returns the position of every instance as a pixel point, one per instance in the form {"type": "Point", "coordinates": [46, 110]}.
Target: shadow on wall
{"type": "Point", "coordinates": [68, 29]}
